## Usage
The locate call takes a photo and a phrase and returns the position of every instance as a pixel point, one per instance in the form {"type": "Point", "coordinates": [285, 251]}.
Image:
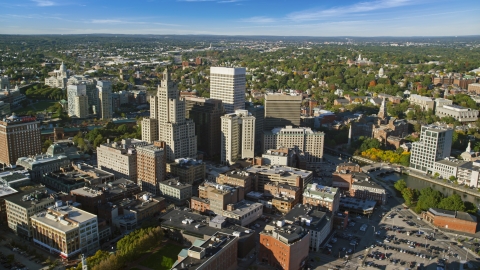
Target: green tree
{"type": "Point", "coordinates": [429, 198]}
{"type": "Point", "coordinates": [409, 195]}
{"type": "Point", "coordinates": [453, 202]}
{"type": "Point", "coordinates": [400, 185]}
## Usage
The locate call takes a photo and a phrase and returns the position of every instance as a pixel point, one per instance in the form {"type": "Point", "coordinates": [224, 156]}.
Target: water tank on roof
{"type": "Point", "coordinates": [145, 197]}
{"type": "Point", "coordinates": [314, 186]}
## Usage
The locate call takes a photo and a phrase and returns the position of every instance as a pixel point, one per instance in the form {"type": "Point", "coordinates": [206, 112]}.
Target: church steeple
{"type": "Point", "coordinates": [382, 113]}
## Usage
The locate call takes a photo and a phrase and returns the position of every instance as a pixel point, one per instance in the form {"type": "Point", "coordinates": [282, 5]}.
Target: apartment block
{"type": "Point", "coordinates": [435, 144]}
{"type": "Point", "coordinates": [228, 85]}
{"type": "Point", "coordinates": [119, 158]}
{"type": "Point", "coordinates": [19, 137]}
{"type": "Point", "coordinates": [206, 113]}
{"type": "Point", "coordinates": [301, 139]}
{"type": "Point", "coordinates": [105, 97]}
{"type": "Point", "coordinates": [284, 246]}
{"type": "Point", "coordinates": [21, 206]}
{"type": "Point", "coordinates": [282, 110]}
{"type": "Point", "coordinates": [151, 163]}
{"type": "Point", "coordinates": [322, 197]}
{"type": "Point", "coordinates": [237, 136]}
{"type": "Point", "coordinates": [66, 230]}
{"type": "Point", "coordinates": [74, 91]}
{"type": "Point", "coordinates": [149, 129]}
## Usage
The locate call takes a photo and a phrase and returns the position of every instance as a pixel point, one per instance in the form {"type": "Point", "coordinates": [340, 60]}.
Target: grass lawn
{"type": "Point", "coordinates": [163, 259]}
{"type": "Point", "coordinates": [36, 107]}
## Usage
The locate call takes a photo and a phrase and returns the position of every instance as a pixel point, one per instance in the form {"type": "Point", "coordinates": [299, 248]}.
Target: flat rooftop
{"type": "Point", "coordinates": [53, 217]}
{"type": "Point", "coordinates": [358, 204]}
{"type": "Point", "coordinates": [27, 199]}
{"type": "Point", "coordinates": [287, 234]}
{"type": "Point", "coordinates": [307, 217]}
{"type": "Point", "coordinates": [6, 191]}
{"type": "Point", "coordinates": [244, 207]}
{"type": "Point", "coordinates": [320, 192]}
{"type": "Point", "coordinates": [282, 171]}
{"type": "Point", "coordinates": [210, 247]}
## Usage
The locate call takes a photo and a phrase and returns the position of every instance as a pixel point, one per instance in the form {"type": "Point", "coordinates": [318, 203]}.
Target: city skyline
{"type": "Point", "coordinates": [242, 17]}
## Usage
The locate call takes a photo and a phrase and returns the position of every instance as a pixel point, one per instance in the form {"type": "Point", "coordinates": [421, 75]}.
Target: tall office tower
{"type": "Point", "coordinates": [306, 140]}
{"type": "Point", "coordinates": [206, 113]}
{"type": "Point", "coordinates": [19, 137]}
{"type": "Point", "coordinates": [149, 129]}
{"type": "Point", "coordinates": [435, 143]}
{"type": "Point", "coordinates": [257, 111]}
{"type": "Point", "coordinates": [77, 100]}
{"type": "Point", "coordinates": [228, 85]}
{"type": "Point", "coordinates": [105, 98]}
{"type": "Point", "coordinates": [238, 136]}
{"type": "Point", "coordinates": [169, 111]}
{"type": "Point", "coordinates": [282, 110]}
{"type": "Point", "coordinates": [151, 166]}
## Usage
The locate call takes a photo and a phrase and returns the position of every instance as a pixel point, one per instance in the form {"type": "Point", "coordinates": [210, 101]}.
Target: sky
{"type": "Point", "coordinates": [243, 17]}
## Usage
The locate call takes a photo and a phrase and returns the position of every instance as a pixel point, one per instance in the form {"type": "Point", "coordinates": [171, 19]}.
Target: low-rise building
{"type": "Point", "coordinates": [187, 169]}
{"type": "Point", "coordinates": [322, 197]}
{"type": "Point", "coordinates": [281, 157]}
{"type": "Point", "coordinates": [359, 206]}
{"type": "Point", "coordinates": [5, 192]}
{"type": "Point", "coordinates": [459, 113]}
{"type": "Point", "coordinates": [218, 196]}
{"type": "Point", "coordinates": [144, 205]}
{"type": "Point", "coordinates": [237, 178]}
{"type": "Point", "coordinates": [66, 230]}
{"type": "Point", "coordinates": [218, 252]}
{"type": "Point", "coordinates": [318, 223]}
{"type": "Point", "coordinates": [474, 88]}
{"type": "Point", "coordinates": [14, 178]}
{"type": "Point", "coordinates": [452, 220]}
{"type": "Point", "coordinates": [425, 103]}
{"type": "Point", "coordinates": [243, 213]}
{"type": "Point", "coordinates": [21, 206]}
{"type": "Point", "coordinates": [284, 246]}
{"type": "Point", "coordinates": [188, 228]}
{"type": "Point", "coordinates": [176, 191]}
{"type": "Point", "coordinates": [369, 190]}
{"type": "Point", "coordinates": [281, 174]}
{"type": "Point", "coordinates": [440, 102]}
{"type": "Point", "coordinates": [447, 167]}
{"type": "Point", "coordinates": [284, 197]}
{"type": "Point", "coordinates": [469, 174]}
{"type": "Point", "coordinates": [54, 159]}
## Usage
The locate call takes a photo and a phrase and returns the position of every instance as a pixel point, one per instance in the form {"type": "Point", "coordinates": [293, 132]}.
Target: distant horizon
{"type": "Point", "coordinates": [259, 35]}
{"type": "Point", "coordinates": [350, 18]}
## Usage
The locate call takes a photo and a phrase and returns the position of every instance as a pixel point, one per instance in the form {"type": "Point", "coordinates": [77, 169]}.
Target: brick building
{"type": "Point", "coordinates": [321, 197]}
{"type": "Point", "coordinates": [284, 197]}
{"type": "Point", "coordinates": [239, 179]}
{"type": "Point", "coordinates": [452, 220]}
{"type": "Point", "coordinates": [284, 247]}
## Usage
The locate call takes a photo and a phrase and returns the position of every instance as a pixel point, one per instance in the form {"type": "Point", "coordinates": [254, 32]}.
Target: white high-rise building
{"type": "Point", "coordinates": [167, 113]}
{"type": "Point", "coordinates": [77, 100]}
{"type": "Point", "coordinates": [435, 144]}
{"type": "Point", "coordinates": [238, 136]}
{"type": "Point", "coordinates": [105, 96]}
{"type": "Point", "coordinates": [228, 85]}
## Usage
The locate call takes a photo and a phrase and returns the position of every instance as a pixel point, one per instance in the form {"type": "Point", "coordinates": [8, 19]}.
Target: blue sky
{"type": "Point", "coordinates": [243, 17]}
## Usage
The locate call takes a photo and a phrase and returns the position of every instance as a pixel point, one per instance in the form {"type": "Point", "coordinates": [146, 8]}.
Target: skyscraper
{"type": "Point", "coordinates": [282, 110]}
{"type": "Point", "coordinates": [228, 85]}
{"type": "Point", "coordinates": [168, 111]}
{"type": "Point", "coordinates": [19, 137]}
{"type": "Point", "coordinates": [77, 100]}
{"type": "Point", "coordinates": [435, 143]}
{"type": "Point", "coordinates": [238, 136]}
{"type": "Point", "coordinates": [257, 111]}
{"type": "Point", "coordinates": [206, 113]}
{"type": "Point", "coordinates": [105, 96]}
{"type": "Point", "coordinates": [151, 167]}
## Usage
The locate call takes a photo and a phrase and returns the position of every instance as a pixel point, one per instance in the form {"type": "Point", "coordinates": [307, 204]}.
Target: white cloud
{"type": "Point", "coordinates": [106, 21]}
{"type": "Point", "coordinates": [44, 3]}
{"type": "Point", "coordinates": [309, 15]}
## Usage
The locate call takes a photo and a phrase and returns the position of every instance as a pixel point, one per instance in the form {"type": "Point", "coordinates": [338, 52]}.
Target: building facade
{"type": "Point", "coordinates": [281, 174]}
{"type": "Point", "coordinates": [435, 144]}
{"type": "Point", "coordinates": [66, 230]}
{"type": "Point", "coordinates": [322, 197]}
{"type": "Point", "coordinates": [105, 110]}
{"type": "Point", "coordinates": [174, 129]}
{"type": "Point", "coordinates": [237, 136]}
{"type": "Point", "coordinates": [228, 85]}
{"type": "Point", "coordinates": [425, 103]}
{"type": "Point", "coordinates": [452, 220]}
{"type": "Point", "coordinates": [187, 170]}
{"type": "Point", "coordinates": [282, 110]}
{"type": "Point", "coordinates": [306, 140]}
{"type": "Point", "coordinates": [59, 78]}
{"type": "Point", "coordinates": [151, 167]}
{"type": "Point", "coordinates": [176, 191]}
{"type": "Point", "coordinates": [257, 111]}
{"type": "Point", "coordinates": [38, 165]}
{"type": "Point", "coordinates": [19, 137]}
{"type": "Point", "coordinates": [206, 113]}
{"type": "Point", "coordinates": [459, 113]}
